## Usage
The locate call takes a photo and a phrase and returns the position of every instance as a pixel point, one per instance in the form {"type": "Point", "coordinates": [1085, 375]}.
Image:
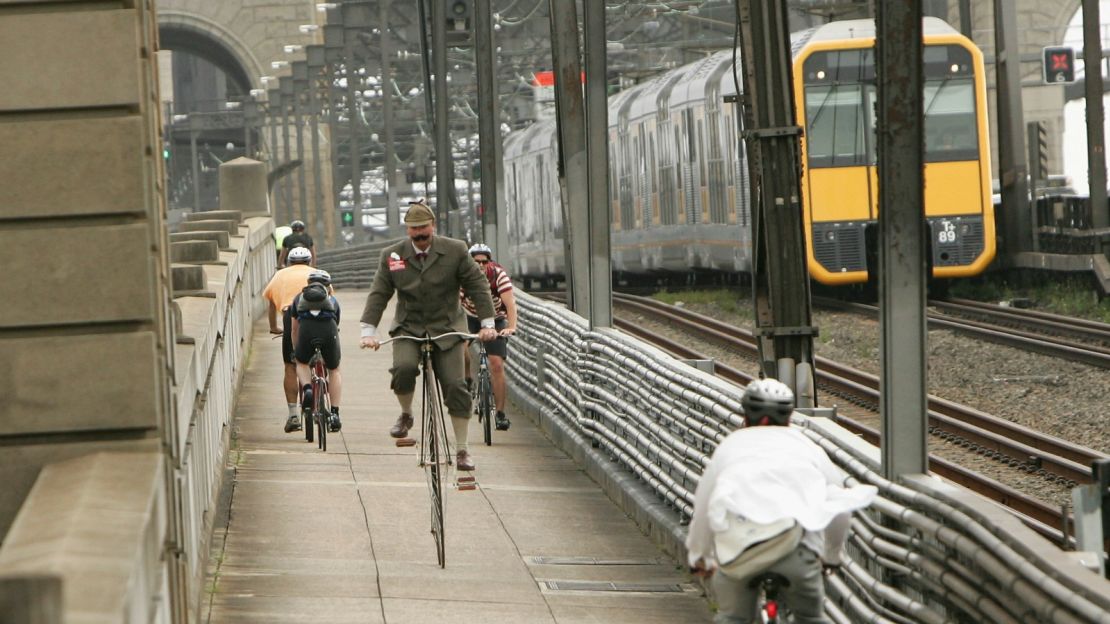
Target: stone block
{"type": "Point", "coordinates": [63, 167]}
{"type": "Point", "coordinates": [21, 465]}
{"type": "Point", "coordinates": [194, 251]}
{"type": "Point", "coordinates": [58, 60]}
{"type": "Point", "coordinates": [99, 521]}
{"type": "Point", "coordinates": [79, 383]}
{"type": "Point", "coordinates": [243, 186]}
{"type": "Point", "coordinates": [221, 238]}
{"type": "Point", "coordinates": [230, 215]}
{"type": "Point", "coordinates": [90, 274]}
{"type": "Point", "coordinates": [210, 225]}
{"type": "Point", "coordinates": [188, 278]}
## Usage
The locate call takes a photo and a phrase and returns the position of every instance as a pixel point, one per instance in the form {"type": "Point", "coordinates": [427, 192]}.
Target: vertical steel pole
{"type": "Point", "coordinates": [965, 19]}
{"type": "Point", "coordinates": [287, 148]}
{"type": "Point", "coordinates": [489, 124]}
{"type": "Point", "coordinates": [597, 147]}
{"type": "Point", "coordinates": [1012, 169]}
{"type": "Point", "coordinates": [322, 222]}
{"type": "Point", "coordinates": [900, 135]}
{"type": "Point", "coordinates": [572, 152]}
{"type": "Point", "coordinates": [298, 119]}
{"type": "Point", "coordinates": [1096, 135]}
{"type": "Point", "coordinates": [780, 280]}
{"type": "Point", "coordinates": [196, 165]}
{"type": "Point", "coordinates": [273, 103]}
{"type": "Point", "coordinates": [354, 115]}
{"type": "Point", "coordinates": [392, 208]}
{"type": "Point", "coordinates": [444, 179]}
{"type": "Point", "coordinates": [250, 114]}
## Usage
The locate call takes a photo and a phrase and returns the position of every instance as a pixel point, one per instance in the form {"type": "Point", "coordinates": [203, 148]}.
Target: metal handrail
{"type": "Point", "coordinates": [926, 551]}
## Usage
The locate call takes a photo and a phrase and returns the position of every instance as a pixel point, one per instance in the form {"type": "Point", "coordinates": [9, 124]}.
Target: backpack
{"type": "Point", "coordinates": [315, 297]}
{"type": "Point", "coordinates": [747, 548]}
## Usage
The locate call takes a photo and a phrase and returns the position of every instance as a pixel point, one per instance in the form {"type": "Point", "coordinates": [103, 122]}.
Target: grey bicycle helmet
{"type": "Point", "coordinates": [320, 277]}
{"type": "Point", "coordinates": [479, 248]}
{"type": "Point", "coordinates": [770, 399]}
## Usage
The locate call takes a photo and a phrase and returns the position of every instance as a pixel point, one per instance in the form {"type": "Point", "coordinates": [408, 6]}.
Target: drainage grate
{"type": "Point", "coordinates": [588, 561]}
{"type": "Point", "coordinates": [607, 586]}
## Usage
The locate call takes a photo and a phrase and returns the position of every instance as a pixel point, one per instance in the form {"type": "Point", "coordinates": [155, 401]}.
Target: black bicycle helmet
{"type": "Point", "coordinates": [297, 225]}
{"type": "Point", "coordinates": [767, 398]}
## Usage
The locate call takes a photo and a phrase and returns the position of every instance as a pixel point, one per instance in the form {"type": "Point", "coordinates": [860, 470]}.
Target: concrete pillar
{"type": "Point", "coordinates": [243, 187]}
{"type": "Point", "coordinates": [90, 346]}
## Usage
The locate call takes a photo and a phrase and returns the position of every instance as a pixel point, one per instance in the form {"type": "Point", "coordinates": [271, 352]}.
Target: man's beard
{"type": "Point", "coordinates": [420, 238]}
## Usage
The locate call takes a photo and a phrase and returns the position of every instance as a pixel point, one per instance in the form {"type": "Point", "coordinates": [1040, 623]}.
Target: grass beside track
{"type": "Point", "coordinates": [1070, 296]}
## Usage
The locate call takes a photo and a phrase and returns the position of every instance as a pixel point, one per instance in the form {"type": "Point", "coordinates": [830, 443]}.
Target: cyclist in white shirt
{"type": "Point", "coordinates": [761, 474]}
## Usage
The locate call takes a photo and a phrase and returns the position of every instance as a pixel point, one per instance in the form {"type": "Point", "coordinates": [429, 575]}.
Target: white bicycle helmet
{"type": "Point", "coordinates": [320, 276]}
{"type": "Point", "coordinates": [768, 398]}
{"type": "Point", "coordinates": [479, 248]}
{"type": "Point", "coordinates": [299, 255]}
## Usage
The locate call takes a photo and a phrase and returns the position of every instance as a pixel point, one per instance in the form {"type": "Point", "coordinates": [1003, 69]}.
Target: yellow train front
{"type": "Point", "coordinates": [835, 91]}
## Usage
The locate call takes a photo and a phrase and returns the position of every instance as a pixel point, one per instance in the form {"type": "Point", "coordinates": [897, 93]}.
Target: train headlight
{"type": "Point", "coordinates": [965, 229]}
{"type": "Point", "coordinates": [820, 74]}
{"type": "Point", "coordinates": [830, 236]}
{"type": "Point", "coordinates": [955, 68]}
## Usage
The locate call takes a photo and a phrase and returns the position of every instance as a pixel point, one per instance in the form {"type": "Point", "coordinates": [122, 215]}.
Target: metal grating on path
{"type": "Point", "coordinates": [608, 586]}
{"type": "Point", "coordinates": [588, 561]}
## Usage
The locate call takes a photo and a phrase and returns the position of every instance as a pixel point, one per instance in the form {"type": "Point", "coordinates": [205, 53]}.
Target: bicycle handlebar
{"type": "Point", "coordinates": [430, 338]}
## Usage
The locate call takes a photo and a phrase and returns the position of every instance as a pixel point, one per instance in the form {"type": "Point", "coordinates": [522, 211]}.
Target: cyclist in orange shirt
{"type": "Point", "coordinates": [283, 287]}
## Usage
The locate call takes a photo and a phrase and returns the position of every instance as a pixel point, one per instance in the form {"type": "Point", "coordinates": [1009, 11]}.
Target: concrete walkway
{"type": "Point", "coordinates": [343, 536]}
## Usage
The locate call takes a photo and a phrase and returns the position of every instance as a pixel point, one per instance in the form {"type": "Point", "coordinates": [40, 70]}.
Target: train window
{"type": "Point", "coordinates": [951, 129]}
{"type": "Point", "coordinates": [837, 131]}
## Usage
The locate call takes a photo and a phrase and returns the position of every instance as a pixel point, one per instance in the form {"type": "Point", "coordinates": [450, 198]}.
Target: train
{"type": "Point", "coordinates": [678, 173]}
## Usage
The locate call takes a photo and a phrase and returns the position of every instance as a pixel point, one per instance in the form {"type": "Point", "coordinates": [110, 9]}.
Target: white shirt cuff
{"type": "Point", "coordinates": [368, 330]}
{"type": "Point", "coordinates": [489, 323]}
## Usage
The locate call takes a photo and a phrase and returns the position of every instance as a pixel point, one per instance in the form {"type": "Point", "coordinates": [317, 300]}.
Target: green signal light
{"type": "Point", "coordinates": [348, 218]}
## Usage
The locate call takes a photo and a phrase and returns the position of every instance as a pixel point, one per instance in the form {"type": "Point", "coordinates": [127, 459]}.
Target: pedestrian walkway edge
{"type": "Point", "coordinates": [655, 519]}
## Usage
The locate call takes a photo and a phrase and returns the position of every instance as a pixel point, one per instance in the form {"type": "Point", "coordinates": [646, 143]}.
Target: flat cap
{"type": "Point", "coordinates": [419, 214]}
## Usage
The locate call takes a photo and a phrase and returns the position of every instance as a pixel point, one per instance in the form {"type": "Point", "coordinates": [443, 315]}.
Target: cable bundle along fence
{"type": "Point", "coordinates": [926, 551]}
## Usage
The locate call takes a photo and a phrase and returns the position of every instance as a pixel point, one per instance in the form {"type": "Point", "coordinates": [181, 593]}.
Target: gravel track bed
{"type": "Point", "coordinates": [1064, 399]}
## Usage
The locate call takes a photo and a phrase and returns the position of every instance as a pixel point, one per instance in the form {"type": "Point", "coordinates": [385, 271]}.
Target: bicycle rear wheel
{"type": "Point", "coordinates": [306, 415]}
{"type": "Point", "coordinates": [321, 413]}
{"type": "Point", "coordinates": [434, 457]}
{"type": "Point", "coordinates": [485, 406]}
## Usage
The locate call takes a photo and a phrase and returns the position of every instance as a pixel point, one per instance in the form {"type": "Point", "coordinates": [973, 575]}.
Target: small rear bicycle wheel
{"type": "Point", "coordinates": [485, 406]}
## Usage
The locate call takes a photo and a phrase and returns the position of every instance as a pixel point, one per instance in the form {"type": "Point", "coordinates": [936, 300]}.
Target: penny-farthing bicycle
{"type": "Point", "coordinates": [435, 448]}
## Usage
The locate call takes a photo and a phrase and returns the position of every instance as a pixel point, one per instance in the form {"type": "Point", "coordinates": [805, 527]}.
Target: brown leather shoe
{"type": "Point", "coordinates": [401, 428]}
{"type": "Point", "coordinates": [463, 461]}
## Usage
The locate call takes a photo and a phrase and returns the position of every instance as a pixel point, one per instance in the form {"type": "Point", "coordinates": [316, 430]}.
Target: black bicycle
{"type": "Point", "coordinates": [435, 448]}
{"type": "Point", "coordinates": [483, 395]}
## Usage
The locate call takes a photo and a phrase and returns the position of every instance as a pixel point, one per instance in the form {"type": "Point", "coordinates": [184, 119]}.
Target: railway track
{"type": "Point", "coordinates": [1007, 442]}
{"type": "Point", "coordinates": [1073, 339]}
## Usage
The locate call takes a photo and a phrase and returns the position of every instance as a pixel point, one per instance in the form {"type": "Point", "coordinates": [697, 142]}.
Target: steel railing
{"type": "Point", "coordinates": [926, 551]}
